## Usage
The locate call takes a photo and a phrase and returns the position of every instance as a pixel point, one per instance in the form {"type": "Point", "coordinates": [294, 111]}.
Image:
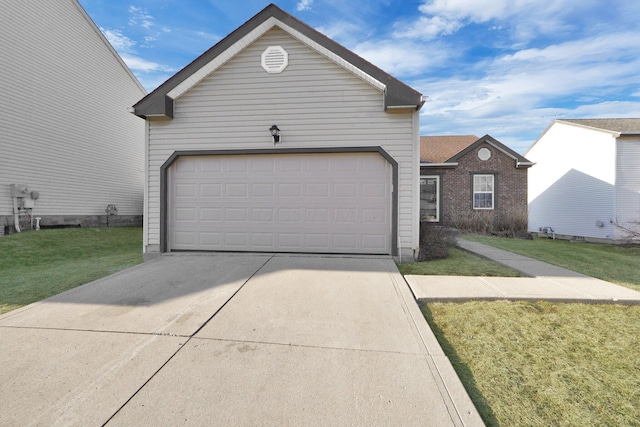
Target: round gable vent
{"type": "Point", "coordinates": [275, 59]}
{"type": "Point", "coordinates": [484, 153]}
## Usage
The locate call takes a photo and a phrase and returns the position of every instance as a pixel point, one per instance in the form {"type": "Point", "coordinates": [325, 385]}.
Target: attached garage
{"type": "Point", "coordinates": [281, 203]}
{"type": "Point", "coordinates": [341, 178]}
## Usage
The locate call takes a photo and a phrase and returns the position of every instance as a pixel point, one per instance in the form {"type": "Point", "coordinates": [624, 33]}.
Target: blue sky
{"type": "Point", "coordinates": [501, 67]}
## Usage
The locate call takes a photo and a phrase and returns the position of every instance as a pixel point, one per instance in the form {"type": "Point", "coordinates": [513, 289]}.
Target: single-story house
{"type": "Point", "coordinates": [462, 174]}
{"type": "Point", "coordinates": [586, 184]}
{"type": "Point", "coordinates": [69, 146]}
{"type": "Point", "coordinates": [278, 139]}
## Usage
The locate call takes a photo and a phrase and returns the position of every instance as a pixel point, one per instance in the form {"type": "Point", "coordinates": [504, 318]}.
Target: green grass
{"type": "Point", "coordinates": [38, 264]}
{"type": "Point", "coordinates": [459, 263]}
{"type": "Point", "coordinates": [616, 264]}
{"type": "Point", "coordinates": [544, 364]}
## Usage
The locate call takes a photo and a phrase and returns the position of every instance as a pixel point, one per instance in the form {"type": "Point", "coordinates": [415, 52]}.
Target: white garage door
{"type": "Point", "coordinates": [323, 203]}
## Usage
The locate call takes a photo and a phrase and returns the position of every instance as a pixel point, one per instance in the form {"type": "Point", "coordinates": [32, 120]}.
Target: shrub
{"type": "Point", "coordinates": [435, 241]}
{"type": "Point", "coordinates": [512, 223]}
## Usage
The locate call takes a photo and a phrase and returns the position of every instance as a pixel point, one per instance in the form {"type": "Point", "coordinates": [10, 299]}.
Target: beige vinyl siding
{"type": "Point", "coordinates": [65, 129]}
{"type": "Point", "coordinates": [628, 184]}
{"type": "Point", "coordinates": [315, 102]}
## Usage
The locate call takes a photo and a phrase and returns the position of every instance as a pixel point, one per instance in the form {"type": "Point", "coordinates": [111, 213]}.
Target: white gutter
{"type": "Point", "coordinates": [439, 165]}
{"type": "Point", "coordinates": [519, 164]}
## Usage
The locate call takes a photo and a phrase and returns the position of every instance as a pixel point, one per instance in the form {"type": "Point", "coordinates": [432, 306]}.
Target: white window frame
{"type": "Point", "coordinates": [480, 187]}
{"type": "Point", "coordinates": [437, 178]}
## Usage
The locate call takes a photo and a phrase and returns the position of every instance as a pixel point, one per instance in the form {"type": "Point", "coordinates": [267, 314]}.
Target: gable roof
{"type": "Point", "coordinates": [159, 103]}
{"type": "Point", "coordinates": [621, 126]}
{"type": "Point", "coordinates": [437, 149]}
{"type": "Point", "coordinates": [616, 127]}
{"type": "Point", "coordinates": [463, 145]}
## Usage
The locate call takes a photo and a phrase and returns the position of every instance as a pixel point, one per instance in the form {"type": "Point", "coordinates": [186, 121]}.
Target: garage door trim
{"type": "Point", "coordinates": [333, 150]}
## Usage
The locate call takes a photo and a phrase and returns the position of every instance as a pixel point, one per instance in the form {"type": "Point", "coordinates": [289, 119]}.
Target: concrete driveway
{"type": "Point", "coordinates": [230, 339]}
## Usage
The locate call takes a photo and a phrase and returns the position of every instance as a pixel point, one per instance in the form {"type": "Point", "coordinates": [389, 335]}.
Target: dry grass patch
{"type": "Point", "coordinates": [543, 364]}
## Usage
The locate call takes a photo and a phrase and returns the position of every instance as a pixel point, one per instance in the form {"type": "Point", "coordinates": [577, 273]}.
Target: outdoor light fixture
{"type": "Point", "coordinates": [275, 133]}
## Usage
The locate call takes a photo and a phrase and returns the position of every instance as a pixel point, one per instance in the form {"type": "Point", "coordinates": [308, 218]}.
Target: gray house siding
{"type": "Point", "coordinates": [65, 130]}
{"type": "Point", "coordinates": [316, 104]}
{"type": "Point", "coordinates": [586, 178]}
{"type": "Point", "coordinates": [628, 184]}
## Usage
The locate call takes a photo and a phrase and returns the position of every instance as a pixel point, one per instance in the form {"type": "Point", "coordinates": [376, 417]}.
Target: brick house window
{"type": "Point", "coordinates": [430, 198]}
{"type": "Point", "coordinates": [483, 191]}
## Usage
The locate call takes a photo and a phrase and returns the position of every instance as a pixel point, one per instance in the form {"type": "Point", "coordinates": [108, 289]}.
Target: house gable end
{"type": "Point", "coordinates": [521, 162]}
{"type": "Point", "coordinates": [159, 103]}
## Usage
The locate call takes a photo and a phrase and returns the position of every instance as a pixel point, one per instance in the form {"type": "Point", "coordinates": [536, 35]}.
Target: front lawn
{"type": "Point", "coordinates": [38, 264]}
{"type": "Point", "coordinates": [616, 264]}
{"type": "Point", "coordinates": [544, 364]}
{"type": "Point", "coordinates": [459, 263]}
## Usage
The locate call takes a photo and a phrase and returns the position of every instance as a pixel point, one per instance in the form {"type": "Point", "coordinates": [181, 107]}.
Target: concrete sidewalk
{"type": "Point", "coordinates": [545, 282]}
{"type": "Point", "coordinates": [221, 339]}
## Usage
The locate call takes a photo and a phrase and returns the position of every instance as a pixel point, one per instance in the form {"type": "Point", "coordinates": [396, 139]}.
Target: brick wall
{"type": "Point", "coordinates": [510, 195]}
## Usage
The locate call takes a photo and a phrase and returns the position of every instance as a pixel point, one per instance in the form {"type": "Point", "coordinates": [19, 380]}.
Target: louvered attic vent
{"type": "Point", "coordinates": [275, 59]}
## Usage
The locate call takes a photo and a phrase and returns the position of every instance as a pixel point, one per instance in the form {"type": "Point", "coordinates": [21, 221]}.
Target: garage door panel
{"type": "Point", "coordinates": [235, 164]}
{"type": "Point", "coordinates": [334, 203]}
{"type": "Point", "coordinates": [210, 240]}
{"type": "Point", "coordinates": [262, 215]}
{"type": "Point", "coordinates": [210, 214]}
{"type": "Point", "coordinates": [262, 190]}
{"type": "Point", "coordinates": [210, 191]}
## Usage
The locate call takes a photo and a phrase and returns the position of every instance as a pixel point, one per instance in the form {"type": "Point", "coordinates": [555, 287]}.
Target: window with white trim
{"type": "Point", "coordinates": [430, 198]}
{"type": "Point", "coordinates": [483, 191]}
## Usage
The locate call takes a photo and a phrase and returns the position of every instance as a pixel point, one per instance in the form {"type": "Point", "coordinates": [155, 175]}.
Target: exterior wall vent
{"type": "Point", "coordinates": [275, 59]}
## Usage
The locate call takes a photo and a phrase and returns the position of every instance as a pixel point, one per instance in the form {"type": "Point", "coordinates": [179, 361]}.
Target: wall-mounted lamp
{"type": "Point", "coordinates": [275, 133]}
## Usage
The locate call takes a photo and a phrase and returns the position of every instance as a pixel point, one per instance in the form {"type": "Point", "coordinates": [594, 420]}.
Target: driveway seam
{"type": "Point", "coordinates": [188, 340]}
{"type": "Point", "coordinates": [320, 347]}
{"type": "Point", "coordinates": [100, 331]}
{"type": "Point", "coordinates": [205, 323]}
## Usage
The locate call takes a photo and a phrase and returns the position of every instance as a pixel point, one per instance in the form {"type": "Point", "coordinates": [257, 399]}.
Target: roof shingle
{"type": "Point", "coordinates": [437, 149]}
{"type": "Point", "coordinates": [623, 126]}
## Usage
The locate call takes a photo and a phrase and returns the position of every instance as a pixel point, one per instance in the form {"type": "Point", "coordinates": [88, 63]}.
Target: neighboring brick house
{"type": "Point", "coordinates": [462, 175]}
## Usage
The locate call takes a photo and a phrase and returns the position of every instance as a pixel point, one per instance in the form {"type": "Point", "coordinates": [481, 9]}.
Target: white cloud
{"type": "Point", "coordinates": [403, 57]}
{"type": "Point", "coordinates": [475, 10]}
{"type": "Point", "coordinates": [524, 19]}
{"type": "Point", "coordinates": [516, 96]}
{"type": "Point", "coordinates": [342, 31]}
{"type": "Point", "coordinates": [125, 48]}
{"type": "Point", "coordinates": [304, 5]}
{"type": "Point", "coordinates": [140, 16]}
{"type": "Point", "coordinates": [119, 41]}
{"type": "Point", "coordinates": [427, 28]}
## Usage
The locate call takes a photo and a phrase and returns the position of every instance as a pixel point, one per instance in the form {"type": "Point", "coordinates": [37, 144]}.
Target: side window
{"type": "Point", "coordinates": [483, 191]}
{"type": "Point", "coordinates": [430, 198]}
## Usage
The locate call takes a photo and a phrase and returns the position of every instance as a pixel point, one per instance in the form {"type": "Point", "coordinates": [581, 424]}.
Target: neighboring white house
{"type": "Point", "coordinates": [341, 177]}
{"type": "Point", "coordinates": [586, 182]}
{"type": "Point", "coordinates": [67, 142]}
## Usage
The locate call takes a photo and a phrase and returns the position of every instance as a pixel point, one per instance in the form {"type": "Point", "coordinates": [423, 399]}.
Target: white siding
{"type": "Point", "coordinates": [571, 187]}
{"type": "Point", "coordinates": [628, 184]}
{"type": "Point", "coordinates": [65, 130]}
{"type": "Point", "coordinates": [314, 102]}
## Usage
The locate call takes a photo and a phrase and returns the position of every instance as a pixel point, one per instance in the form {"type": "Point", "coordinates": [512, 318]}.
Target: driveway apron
{"type": "Point", "coordinates": [223, 339]}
